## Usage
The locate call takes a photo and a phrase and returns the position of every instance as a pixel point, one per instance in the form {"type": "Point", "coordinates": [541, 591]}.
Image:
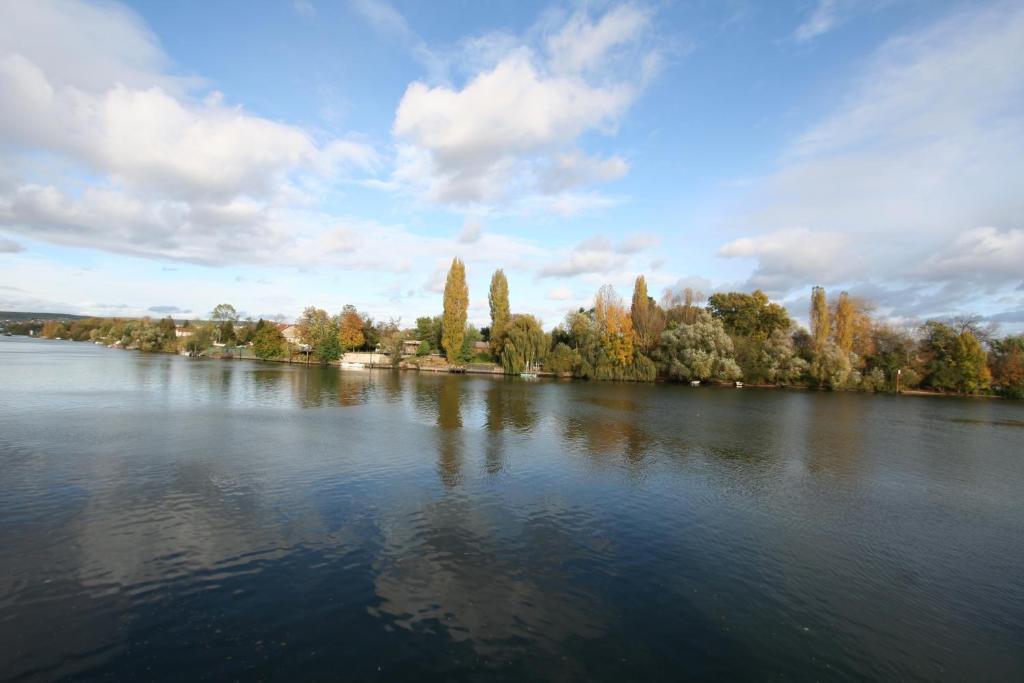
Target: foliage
{"type": "Point", "coordinates": [679, 305]}
{"type": "Point", "coordinates": [223, 312]}
{"type": "Point", "coordinates": [844, 323]}
{"type": "Point", "coordinates": [561, 360]}
{"type": "Point", "coordinates": [954, 361]}
{"type": "Point", "coordinates": [423, 349]}
{"type": "Point", "coordinates": [268, 342]}
{"type": "Point", "coordinates": [699, 351]}
{"type": "Point", "coordinates": [456, 303]}
{"type": "Point", "coordinates": [497, 297]}
{"type": "Point", "coordinates": [819, 318]}
{"type": "Point", "coordinates": [614, 327]}
{"type": "Point", "coordinates": [771, 360]}
{"type": "Point", "coordinates": [468, 351]}
{"type": "Point", "coordinates": [834, 368]}
{"type": "Point", "coordinates": [350, 328]}
{"type": "Point", "coordinates": [226, 332]}
{"type": "Point", "coordinates": [748, 315]}
{"type": "Point", "coordinates": [647, 317]}
{"type": "Point", "coordinates": [523, 344]}
{"type": "Point", "coordinates": [319, 331]}
{"type": "Point", "coordinates": [1008, 366]}
{"type": "Point", "coordinates": [429, 330]}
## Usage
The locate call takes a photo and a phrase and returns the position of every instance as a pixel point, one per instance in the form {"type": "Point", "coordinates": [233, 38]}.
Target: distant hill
{"type": "Point", "coordinates": [20, 315]}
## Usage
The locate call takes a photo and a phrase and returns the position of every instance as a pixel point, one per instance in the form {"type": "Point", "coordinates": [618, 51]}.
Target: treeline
{"type": "Point", "coordinates": [683, 336]}
{"type": "Point", "coordinates": [733, 336]}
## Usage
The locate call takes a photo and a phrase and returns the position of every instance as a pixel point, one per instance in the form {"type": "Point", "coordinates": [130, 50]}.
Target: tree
{"type": "Point", "coordinates": [456, 304]}
{"type": "Point", "coordinates": [350, 328]}
{"type": "Point", "coordinates": [819, 317]}
{"type": "Point", "coordinates": [972, 364]}
{"type": "Point", "coordinates": [680, 305]}
{"type": "Point", "coordinates": [844, 323]}
{"type": "Point", "coordinates": [700, 351]}
{"type": "Point", "coordinates": [1008, 366]}
{"type": "Point", "coordinates": [429, 330]}
{"type": "Point", "coordinates": [614, 326]}
{"type": "Point", "coordinates": [773, 360]}
{"type": "Point", "coordinates": [748, 315]}
{"type": "Point", "coordinates": [500, 311]}
{"type": "Point", "coordinates": [226, 332]}
{"type": "Point", "coordinates": [321, 334]}
{"type": "Point", "coordinates": [222, 312]}
{"type": "Point", "coordinates": [647, 317]}
{"type": "Point", "coordinates": [523, 344]}
{"type": "Point", "coordinates": [268, 342]}
{"type": "Point", "coordinates": [200, 339]}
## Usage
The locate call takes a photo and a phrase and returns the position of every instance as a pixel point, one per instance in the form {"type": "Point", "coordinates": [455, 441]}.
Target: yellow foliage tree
{"type": "Point", "coordinates": [614, 326]}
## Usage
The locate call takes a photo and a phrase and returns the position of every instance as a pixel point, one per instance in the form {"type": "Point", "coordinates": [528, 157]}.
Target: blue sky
{"type": "Point", "coordinates": [164, 157]}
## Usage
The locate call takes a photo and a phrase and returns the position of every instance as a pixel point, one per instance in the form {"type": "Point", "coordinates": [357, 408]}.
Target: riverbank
{"type": "Point", "coordinates": [437, 365]}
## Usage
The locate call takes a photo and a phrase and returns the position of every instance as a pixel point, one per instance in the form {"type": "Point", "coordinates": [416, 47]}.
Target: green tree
{"type": "Point", "coordinates": [268, 342]}
{"type": "Point", "coordinates": [700, 351]}
{"type": "Point", "coordinates": [772, 360]}
{"type": "Point", "coordinates": [500, 310]}
{"type": "Point", "coordinates": [226, 332]}
{"type": "Point", "coordinates": [456, 305]}
{"type": "Point", "coordinates": [523, 344]}
{"type": "Point", "coordinates": [428, 329]}
{"type": "Point", "coordinates": [819, 317]}
{"type": "Point", "coordinates": [320, 332]}
{"type": "Point", "coordinates": [972, 364]}
{"type": "Point", "coordinates": [748, 315]}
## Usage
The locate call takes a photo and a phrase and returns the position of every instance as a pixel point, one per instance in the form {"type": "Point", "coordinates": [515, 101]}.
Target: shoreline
{"type": "Point", "coordinates": [495, 370]}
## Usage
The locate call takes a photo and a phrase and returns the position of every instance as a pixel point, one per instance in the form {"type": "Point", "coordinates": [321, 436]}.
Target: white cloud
{"type": "Point", "coordinates": [471, 230]}
{"type": "Point", "coordinates": [512, 129]}
{"type": "Point", "coordinates": [922, 153]}
{"type": "Point", "coordinates": [560, 294]}
{"type": "Point", "coordinates": [168, 174]}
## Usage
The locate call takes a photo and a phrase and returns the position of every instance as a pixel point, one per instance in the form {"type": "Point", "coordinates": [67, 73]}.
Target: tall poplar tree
{"type": "Point", "coordinates": [819, 317]}
{"type": "Point", "coordinates": [456, 303]}
{"type": "Point", "coordinates": [844, 322]}
{"type": "Point", "coordinates": [500, 311]}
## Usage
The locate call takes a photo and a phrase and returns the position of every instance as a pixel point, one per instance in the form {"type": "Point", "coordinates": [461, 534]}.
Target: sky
{"type": "Point", "coordinates": [160, 158]}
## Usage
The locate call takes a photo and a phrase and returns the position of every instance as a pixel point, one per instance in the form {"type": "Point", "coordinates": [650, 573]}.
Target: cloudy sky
{"type": "Point", "coordinates": [161, 157]}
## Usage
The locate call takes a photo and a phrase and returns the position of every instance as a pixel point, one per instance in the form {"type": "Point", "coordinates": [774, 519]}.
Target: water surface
{"type": "Point", "coordinates": [172, 518]}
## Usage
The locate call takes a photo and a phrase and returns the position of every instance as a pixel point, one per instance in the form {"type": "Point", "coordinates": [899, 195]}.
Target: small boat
{"type": "Point", "coordinates": [694, 382]}
{"type": "Point", "coordinates": [352, 366]}
{"type": "Point", "coordinates": [528, 375]}
{"type": "Point", "coordinates": [739, 385]}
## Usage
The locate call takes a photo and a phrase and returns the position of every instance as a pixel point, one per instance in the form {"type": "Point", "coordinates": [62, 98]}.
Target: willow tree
{"type": "Point", "coordinates": [523, 344]}
{"type": "Point", "coordinates": [819, 317]}
{"type": "Point", "coordinates": [844, 322]}
{"type": "Point", "coordinates": [500, 310]}
{"type": "Point", "coordinates": [456, 303]}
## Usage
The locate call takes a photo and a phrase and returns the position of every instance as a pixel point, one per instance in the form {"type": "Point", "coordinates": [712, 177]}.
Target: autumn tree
{"type": "Point", "coordinates": [647, 317]}
{"type": "Point", "coordinates": [680, 305]}
{"type": "Point", "coordinates": [844, 318]}
{"type": "Point", "coordinates": [350, 328]}
{"type": "Point", "coordinates": [456, 305]}
{"type": "Point", "coordinates": [500, 310]}
{"type": "Point", "coordinates": [614, 326]}
{"type": "Point", "coordinates": [1008, 366]}
{"type": "Point", "coordinates": [268, 342]}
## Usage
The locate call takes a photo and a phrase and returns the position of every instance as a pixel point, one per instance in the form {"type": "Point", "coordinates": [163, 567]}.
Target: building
{"type": "Point", "coordinates": [290, 333]}
{"type": "Point", "coordinates": [410, 347]}
{"type": "Point", "coordinates": [182, 332]}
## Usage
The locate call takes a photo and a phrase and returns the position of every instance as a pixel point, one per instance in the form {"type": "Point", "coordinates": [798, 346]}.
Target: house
{"type": "Point", "coordinates": [180, 332]}
{"type": "Point", "coordinates": [410, 347]}
{"type": "Point", "coordinates": [481, 347]}
{"type": "Point", "coordinates": [290, 333]}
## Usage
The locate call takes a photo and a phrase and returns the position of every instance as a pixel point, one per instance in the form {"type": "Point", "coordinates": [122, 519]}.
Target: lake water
{"type": "Point", "coordinates": [171, 518]}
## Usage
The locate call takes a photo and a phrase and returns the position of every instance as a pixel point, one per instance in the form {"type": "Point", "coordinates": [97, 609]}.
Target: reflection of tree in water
{"type": "Point", "coordinates": [449, 433]}
{"type": "Point", "coordinates": [608, 434]}
{"type": "Point", "coordinates": [510, 405]}
{"type": "Point", "coordinates": [834, 435]}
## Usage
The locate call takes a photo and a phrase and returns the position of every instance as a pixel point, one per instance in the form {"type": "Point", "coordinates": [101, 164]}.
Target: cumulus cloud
{"type": "Point", "coordinates": [914, 175]}
{"type": "Point", "coordinates": [512, 129]}
{"type": "Point", "coordinates": [171, 172]}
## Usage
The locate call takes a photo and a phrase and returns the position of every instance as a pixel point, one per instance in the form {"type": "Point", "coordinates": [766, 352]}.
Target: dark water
{"type": "Point", "coordinates": [167, 518]}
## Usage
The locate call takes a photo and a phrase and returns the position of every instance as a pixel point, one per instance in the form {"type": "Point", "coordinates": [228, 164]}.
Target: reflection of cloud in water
{"type": "Point", "coordinates": [504, 586]}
